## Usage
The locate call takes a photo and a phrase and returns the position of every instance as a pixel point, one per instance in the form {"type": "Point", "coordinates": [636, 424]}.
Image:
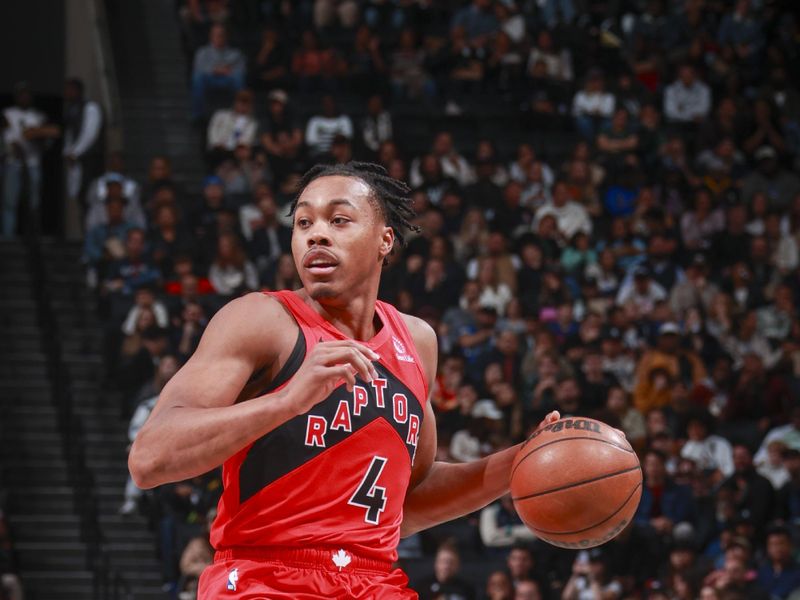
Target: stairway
{"type": "Point", "coordinates": [127, 541]}
{"type": "Point", "coordinates": [154, 89]}
{"type": "Point", "coordinates": [42, 508]}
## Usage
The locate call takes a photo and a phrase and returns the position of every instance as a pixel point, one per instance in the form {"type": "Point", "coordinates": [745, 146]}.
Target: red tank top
{"type": "Point", "coordinates": [337, 475]}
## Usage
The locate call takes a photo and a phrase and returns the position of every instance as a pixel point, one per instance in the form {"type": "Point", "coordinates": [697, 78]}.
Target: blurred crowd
{"type": "Point", "coordinates": [635, 261]}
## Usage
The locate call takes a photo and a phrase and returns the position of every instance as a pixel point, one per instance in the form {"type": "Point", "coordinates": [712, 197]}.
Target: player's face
{"type": "Point", "coordinates": [339, 238]}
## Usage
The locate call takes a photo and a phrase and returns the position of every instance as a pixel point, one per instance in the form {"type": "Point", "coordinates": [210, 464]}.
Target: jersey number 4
{"type": "Point", "coordinates": [369, 495]}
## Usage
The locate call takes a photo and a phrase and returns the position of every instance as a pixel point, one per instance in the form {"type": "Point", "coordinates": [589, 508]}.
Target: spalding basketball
{"type": "Point", "coordinates": [576, 483]}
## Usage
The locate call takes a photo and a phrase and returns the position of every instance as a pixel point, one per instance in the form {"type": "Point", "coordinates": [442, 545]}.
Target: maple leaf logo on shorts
{"type": "Point", "coordinates": [341, 559]}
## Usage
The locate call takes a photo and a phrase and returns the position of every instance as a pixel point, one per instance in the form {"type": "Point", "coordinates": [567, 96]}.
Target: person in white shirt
{"type": "Point", "coordinates": [453, 164]}
{"type": "Point", "coordinates": [321, 129]}
{"type": "Point", "coordinates": [231, 127]}
{"type": "Point", "coordinates": [83, 124]}
{"type": "Point", "coordinates": [687, 99]}
{"type": "Point", "coordinates": [709, 452]}
{"type": "Point", "coordinates": [592, 106]}
{"type": "Point", "coordinates": [788, 435]}
{"type": "Point", "coordinates": [25, 135]}
{"type": "Point", "coordinates": [639, 290]}
{"type": "Point", "coordinates": [570, 216]}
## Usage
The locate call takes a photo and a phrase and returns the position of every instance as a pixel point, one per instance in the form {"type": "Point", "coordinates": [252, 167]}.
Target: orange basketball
{"type": "Point", "coordinates": [576, 482]}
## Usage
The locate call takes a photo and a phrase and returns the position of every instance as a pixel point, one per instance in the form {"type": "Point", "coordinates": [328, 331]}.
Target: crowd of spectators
{"type": "Point", "coordinates": [646, 274]}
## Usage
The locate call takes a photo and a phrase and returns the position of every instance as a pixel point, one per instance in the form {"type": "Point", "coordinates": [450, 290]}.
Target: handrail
{"type": "Point", "coordinates": [108, 584]}
{"type": "Point", "coordinates": [109, 84]}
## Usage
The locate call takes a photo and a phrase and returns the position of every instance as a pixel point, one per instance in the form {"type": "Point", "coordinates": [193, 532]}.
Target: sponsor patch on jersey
{"type": "Point", "coordinates": [400, 350]}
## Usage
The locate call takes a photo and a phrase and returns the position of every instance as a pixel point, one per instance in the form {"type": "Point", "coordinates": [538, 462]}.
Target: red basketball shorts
{"type": "Point", "coordinates": [300, 574]}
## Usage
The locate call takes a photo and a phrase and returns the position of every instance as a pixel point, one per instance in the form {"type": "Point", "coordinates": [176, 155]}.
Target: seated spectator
{"type": "Point", "coordinates": [328, 13]}
{"type": "Point", "coordinates": [408, 76]}
{"type": "Point", "coordinates": [272, 60]}
{"type": "Point", "coordinates": [105, 241]}
{"type": "Point", "coordinates": [477, 19]}
{"type": "Point", "coordinates": [230, 128]}
{"type": "Point", "coordinates": [145, 402]}
{"type": "Point", "coordinates": [617, 140]}
{"type": "Point", "coordinates": [376, 127]}
{"type": "Point", "coordinates": [660, 366]}
{"type": "Point", "coordinates": [186, 336]}
{"type": "Point", "coordinates": [780, 185]}
{"type": "Point", "coordinates": [695, 290]}
{"type": "Point", "coordinates": [664, 503]}
{"type": "Point", "coordinates": [159, 179]}
{"type": "Point", "coordinates": [639, 292]}
{"type": "Point", "coordinates": [99, 190]}
{"type": "Point", "coordinates": [197, 555]}
{"type": "Point", "coordinates": [286, 277]}
{"type": "Point", "coordinates": [244, 170]}
{"type": "Point", "coordinates": [501, 527]}
{"type": "Point", "coordinates": [788, 435]}
{"type": "Point", "coordinates": [445, 579]}
{"type": "Point", "coordinates": [322, 128]}
{"type": "Point", "coordinates": [773, 468]}
{"type": "Point", "coordinates": [498, 586]}
{"type": "Point", "coordinates": [631, 420]}
{"type": "Point", "coordinates": [711, 453]}
{"type": "Point", "coordinates": [367, 66]}
{"type": "Point", "coordinates": [134, 269]}
{"type": "Point", "coordinates": [779, 575]}
{"type": "Point", "coordinates": [590, 578]}
{"type": "Point", "coordinates": [688, 99]}
{"type": "Point", "coordinates": [169, 237]}
{"type": "Point", "coordinates": [475, 440]}
{"type": "Point", "coordinates": [528, 590]}
{"type": "Point", "coordinates": [281, 136]}
{"type": "Point", "coordinates": [216, 65]}
{"type": "Point", "coordinates": [231, 272]}
{"type": "Point", "coordinates": [453, 163]}
{"type": "Point", "coordinates": [570, 216]}
{"type": "Point", "coordinates": [494, 293]}
{"type": "Point", "coordinates": [741, 33]}
{"type": "Point", "coordinates": [145, 299]}
{"type": "Point", "coordinates": [558, 63]}
{"type": "Point", "coordinates": [592, 106]}
{"type": "Point", "coordinates": [735, 582]}
{"type": "Point", "coordinates": [313, 67]}
{"type": "Point", "coordinates": [538, 186]}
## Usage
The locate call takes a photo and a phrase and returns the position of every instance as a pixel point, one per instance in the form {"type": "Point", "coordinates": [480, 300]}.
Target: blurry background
{"type": "Point", "coordinates": [610, 207]}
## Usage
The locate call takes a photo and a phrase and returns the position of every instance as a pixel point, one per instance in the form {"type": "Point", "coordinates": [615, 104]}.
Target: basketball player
{"type": "Point", "coordinates": [316, 401]}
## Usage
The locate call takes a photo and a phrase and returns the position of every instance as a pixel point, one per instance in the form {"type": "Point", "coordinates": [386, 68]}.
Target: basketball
{"type": "Point", "coordinates": [576, 483]}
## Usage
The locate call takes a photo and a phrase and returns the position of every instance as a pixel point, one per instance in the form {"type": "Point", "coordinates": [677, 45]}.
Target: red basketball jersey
{"type": "Point", "coordinates": [337, 475]}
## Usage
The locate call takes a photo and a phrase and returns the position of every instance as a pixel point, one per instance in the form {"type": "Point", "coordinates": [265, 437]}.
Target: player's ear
{"type": "Point", "coordinates": [387, 242]}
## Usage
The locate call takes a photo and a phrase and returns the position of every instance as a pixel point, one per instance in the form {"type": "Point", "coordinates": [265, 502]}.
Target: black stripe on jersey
{"type": "Point", "coordinates": [291, 365]}
{"type": "Point", "coordinates": [283, 449]}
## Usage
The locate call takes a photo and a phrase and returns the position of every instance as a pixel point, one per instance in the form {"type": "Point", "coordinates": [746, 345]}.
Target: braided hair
{"type": "Point", "coordinates": [392, 196]}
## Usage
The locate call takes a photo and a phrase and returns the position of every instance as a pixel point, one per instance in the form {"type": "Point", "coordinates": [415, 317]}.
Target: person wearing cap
{"type": "Point", "coordinates": [106, 239]}
{"type": "Point", "coordinates": [640, 291]}
{"type": "Point", "coordinates": [473, 443]}
{"type": "Point", "coordinates": [696, 290]}
{"type": "Point", "coordinates": [98, 192]}
{"type": "Point", "coordinates": [26, 133]}
{"type": "Point", "coordinates": [216, 65]}
{"type": "Point", "coordinates": [780, 185]}
{"type": "Point", "coordinates": [231, 127]}
{"type": "Point", "coordinates": [281, 135]}
{"type": "Point", "coordinates": [669, 358]}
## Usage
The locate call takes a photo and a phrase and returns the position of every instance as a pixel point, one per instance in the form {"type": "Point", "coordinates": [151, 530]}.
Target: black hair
{"type": "Point", "coordinates": [392, 196]}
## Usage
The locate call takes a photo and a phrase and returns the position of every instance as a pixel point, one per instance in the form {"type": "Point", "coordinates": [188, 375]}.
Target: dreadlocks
{"type": "Point", "coordinates": [391, 195]}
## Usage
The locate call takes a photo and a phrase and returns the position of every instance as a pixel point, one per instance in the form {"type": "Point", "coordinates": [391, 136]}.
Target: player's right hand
{"type": "Point", "coordinates": [325, 368]}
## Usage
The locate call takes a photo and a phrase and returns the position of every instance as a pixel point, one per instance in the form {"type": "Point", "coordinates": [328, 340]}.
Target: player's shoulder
{"type": "Point", "coordinates": [253, 316]}
{"type": "Point", "coordinates": [424, 337]}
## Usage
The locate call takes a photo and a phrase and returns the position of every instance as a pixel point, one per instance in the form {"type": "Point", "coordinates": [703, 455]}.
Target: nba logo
{"type": "Point", "coordinates": [233, 577]}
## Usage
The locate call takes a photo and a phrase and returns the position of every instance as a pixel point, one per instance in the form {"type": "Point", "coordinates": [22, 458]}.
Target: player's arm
{"type": "Point", "coordinates": [197, 423]}
{"type": "Point", "coordinates": [440, 491]}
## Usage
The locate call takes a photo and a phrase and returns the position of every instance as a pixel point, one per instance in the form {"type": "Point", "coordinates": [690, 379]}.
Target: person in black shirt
{"type": "Point", "coordinates": [445, 582]}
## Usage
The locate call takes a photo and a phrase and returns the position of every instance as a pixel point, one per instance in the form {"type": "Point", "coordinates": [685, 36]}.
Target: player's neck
{"type": "Point", "coordinates": [355, 318]}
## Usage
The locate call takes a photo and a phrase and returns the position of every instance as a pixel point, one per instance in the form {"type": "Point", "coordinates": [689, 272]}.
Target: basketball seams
{"type": "Point", "coordinates": [609, 517]}
{"type": "Point", "coordinates": [566, 439]}
{"type": "Point", "coordinates": [578, 483]}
